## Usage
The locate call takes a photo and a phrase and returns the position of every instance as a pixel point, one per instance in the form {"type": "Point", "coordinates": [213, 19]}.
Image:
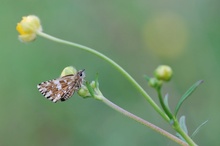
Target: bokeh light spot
{"type": "Point", "coordinates": [166, 35]}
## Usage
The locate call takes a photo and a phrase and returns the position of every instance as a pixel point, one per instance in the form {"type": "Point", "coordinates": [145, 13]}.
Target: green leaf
{"type": "Point", "coordinates": [166, 102]}
{"type": "Point", "coordinates": [182, 122]}
{"type": "Point", "coordinates": [198, 128]}
{"type": "Point", "coordinates": [91, 91]}
{"type": "Point", "coordinates": [96, 81]}
{"type": "Point", "coordinates": [187, 94]}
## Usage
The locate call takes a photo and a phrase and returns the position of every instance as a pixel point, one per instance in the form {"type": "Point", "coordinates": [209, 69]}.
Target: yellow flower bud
{"type": "Point", "coordinates": [163, 72]}
{"type": "Point", "coordinates": [28, 27]}
{"type": "Point", "coordinates": [68, 70]}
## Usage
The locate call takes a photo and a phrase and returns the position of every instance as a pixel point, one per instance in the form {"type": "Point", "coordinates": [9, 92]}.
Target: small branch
{"type": "Point", "coordinates": [178, 129]}
{"type": "Point", "coordinates": [144, 122]}
{"type": "Point", "coordinates": [118, 67]}
{"type": "Point", "coordinates": [140, 89]}
{"type": "Point", "coordinates": [166, 110]}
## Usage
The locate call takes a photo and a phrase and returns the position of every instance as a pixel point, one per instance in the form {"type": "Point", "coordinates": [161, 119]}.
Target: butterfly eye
{"type": "Point", "coordinates": [82, 74]}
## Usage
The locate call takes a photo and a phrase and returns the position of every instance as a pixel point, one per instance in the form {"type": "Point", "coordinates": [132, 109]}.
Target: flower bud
{"type": "Point", "coordinates": [163, 72]}
{"type": "Point", "coordinates": [68, 70]}
{"type": "Point", "coordinates": [84, 92]}
{"type": "Point", "coordinates": [28, 27]}
{"type": "Point", "coordinates": [93, 85]}
{"type": "Point", "coordinates": [155, 83]}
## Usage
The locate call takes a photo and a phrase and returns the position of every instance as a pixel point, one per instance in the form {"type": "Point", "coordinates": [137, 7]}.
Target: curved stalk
{"type": "Point", "coordinates": [166, 110]}
{"type": "Point", "coordinates": [140, 89]}
{"type": "Point", "coordinates": [119, 68]}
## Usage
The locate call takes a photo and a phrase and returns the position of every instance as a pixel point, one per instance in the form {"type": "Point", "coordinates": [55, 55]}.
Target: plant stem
{"type": "Point", "coordinates": [177, 127]}
{"type": "Point", "coordinates": [140, 89]}
{"type": "Point", "coordinates": [144, 122]}
{"type": "Point", "coordinates": [119, 68]}
{"type": "Point", "coordinates": [166, 110]}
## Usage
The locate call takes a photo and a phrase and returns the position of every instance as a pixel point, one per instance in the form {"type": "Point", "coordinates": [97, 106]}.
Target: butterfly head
{"type": "Point", "coordinates": [81, 73]}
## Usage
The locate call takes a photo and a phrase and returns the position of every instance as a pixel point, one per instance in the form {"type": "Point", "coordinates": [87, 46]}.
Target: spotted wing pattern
{"type": "Point", "coordinates": [61, 88]}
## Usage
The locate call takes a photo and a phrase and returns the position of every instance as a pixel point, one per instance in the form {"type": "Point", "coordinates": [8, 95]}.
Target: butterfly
{"type": "Point", "coordinates": [62, 88]}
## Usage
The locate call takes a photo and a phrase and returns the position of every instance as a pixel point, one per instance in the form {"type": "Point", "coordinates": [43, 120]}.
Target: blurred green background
{"type": "Point", "coordinates": [139, 35]}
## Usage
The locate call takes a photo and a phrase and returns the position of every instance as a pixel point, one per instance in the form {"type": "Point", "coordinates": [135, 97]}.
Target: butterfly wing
{"type": "Point", "coordinates": [62, 88]}
{"type": "Point", "coordinates": [58, 89]}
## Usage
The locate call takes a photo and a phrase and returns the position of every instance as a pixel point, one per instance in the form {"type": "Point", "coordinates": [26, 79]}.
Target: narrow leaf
{"type": "Point", "coordinates": [166, 102]}
{"type": "Point", "coordinates": [182, 122]}
{"type": "Point", "coordinates": [96, 81]}
{"type": "Point", "coordinates": [91, 91]}
{"type": "Point", "coordinates": [187, 94]}
{"type": "Point", "coordinates": [198, 128]}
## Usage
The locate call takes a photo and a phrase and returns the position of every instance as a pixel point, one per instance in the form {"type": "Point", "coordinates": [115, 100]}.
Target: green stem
{"type": "Point", "coordinates": [166, 110]}
{"type": "Point", "coordinates": [142, 121]}
{"type": "Point", "coordinates": [119, 68]}
{"type": "Point", "coordinates": [177, 127]}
